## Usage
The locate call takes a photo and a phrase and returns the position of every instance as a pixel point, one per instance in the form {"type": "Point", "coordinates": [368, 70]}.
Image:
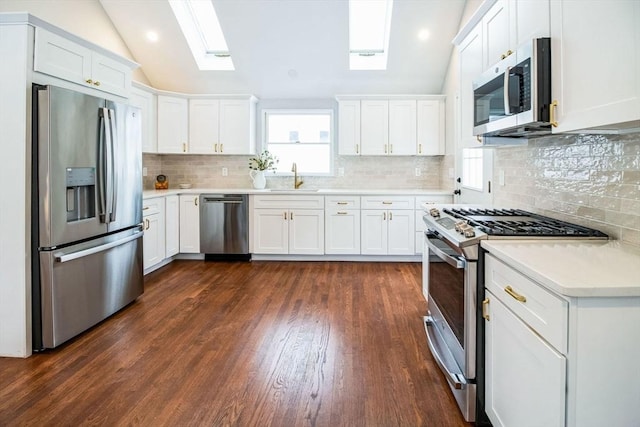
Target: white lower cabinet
{"type": "Point", "coordinates": [387, 225]}
{"type": "Point", "coordinates": [525, 376]}
{"type": "Point", "coordinates": [189, 224]}
{"type": "Point", "coordinates": [342, 225]}
{"type": "Point", "coordinates": [172, 225]}
{"type": "Point", "coordinates": [154, 225]}
{"type": "Point", "coordinates": [288, 225]}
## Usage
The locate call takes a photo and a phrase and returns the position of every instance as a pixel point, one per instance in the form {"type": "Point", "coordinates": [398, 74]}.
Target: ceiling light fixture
{"type": "Point", "coordinates": [423, 34]}
{"type": "Point", "coordinates": [152, 36]}
{"type": "Point", "coordinates": [201, 28]}
{"type": "Point", "coordinates": [369, 28]}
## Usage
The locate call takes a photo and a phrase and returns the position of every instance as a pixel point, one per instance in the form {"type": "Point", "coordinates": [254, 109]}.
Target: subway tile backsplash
{"type": "Point", "coordinates": [593, 180]}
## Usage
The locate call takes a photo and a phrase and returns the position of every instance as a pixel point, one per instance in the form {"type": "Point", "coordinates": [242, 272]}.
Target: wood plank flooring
{"type": "Point", "coordinates": [245, 344]}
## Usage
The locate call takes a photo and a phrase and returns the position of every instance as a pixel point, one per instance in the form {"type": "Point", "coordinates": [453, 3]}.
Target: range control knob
{"type": "Point", "coordinates": [434, 212]}
{"type": "Point", "coordinates": [469, 232]}
{"type": "Point", "coordinates": [460, 226]}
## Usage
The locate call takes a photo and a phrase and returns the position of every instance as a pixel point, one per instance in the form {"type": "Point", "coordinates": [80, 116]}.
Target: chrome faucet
{"type": "Point", "coordinates": [296, 183]}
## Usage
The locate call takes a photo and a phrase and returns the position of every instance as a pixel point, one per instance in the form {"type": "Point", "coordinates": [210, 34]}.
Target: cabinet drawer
{"type": "Point", "coordinates": [152, 206]}
{"type": "Point", "coordinates": [545, 313]}
{"type": "Point", "coordinates": [342, 202]}
{"type": "Point", "coordinates": [288, 202]}
{"type": "Point", "coordinates": [387, 202]}
{"type": "Point", "coordinates": [442, 198]}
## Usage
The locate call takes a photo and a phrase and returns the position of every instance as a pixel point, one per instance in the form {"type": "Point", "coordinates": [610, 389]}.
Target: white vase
{"type": "Point", "coordinates": [258, 179]}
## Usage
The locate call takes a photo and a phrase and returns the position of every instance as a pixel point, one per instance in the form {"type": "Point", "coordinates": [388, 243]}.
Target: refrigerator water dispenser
{"type": "Point", "coordinates": [81, 193]}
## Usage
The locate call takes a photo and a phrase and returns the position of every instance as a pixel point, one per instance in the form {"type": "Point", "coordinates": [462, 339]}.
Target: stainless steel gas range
{"type": "Point", "coordinates": [453, 271]}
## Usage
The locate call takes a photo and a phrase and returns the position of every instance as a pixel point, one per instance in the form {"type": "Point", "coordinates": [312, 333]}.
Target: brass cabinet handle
{"type": "Point", "coordinates": [390, 216]}
{"type": "Point", "coordinates": [343, 203]}
{"type": "Point", "coordinates": [385, 148]}
{"type": "Point", "coordinates": [384, 216]}
{"type": "Point", "coordinates": [341, 213]}
{"type": "Point", "coordinates": [215, 148]}
{"type": "Point", "coordinates": [89, 81]}
{"type": "Point", "coordinates": [146, 224]}
{"type": "Point", "coordinates": [552, 114]}
{"type": "Point", "coordinates": [195, 201]}
{"type": "Point", "coordinates": [221, 148]}
{"type": "Point", "coordinates": [285, 216]}
{"type": "Point", "coordinates": [390, 148]}
{"type": "Point", "coordinates": [387, 203]}
{"type": "Point", "coordinates": [145, 208]}
{"type": "Point", "coordinates": [419, 148]}
{"type": "Point", "coordinates": [479, 139]}
{"type": "Point", "coordinates": [96, 83]}
{"type": "Point", "coordinates": [514, 294]}
{"type": "Point", "coordinates": [184, 147]}
{"type": "Point", "coordinates": [357, 149]}
{"type": "Point", "coordinates": [485, 309]}
{"type": "Point", "coordinates": [291, 216]}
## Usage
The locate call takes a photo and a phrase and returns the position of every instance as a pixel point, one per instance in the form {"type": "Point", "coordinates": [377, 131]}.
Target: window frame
{"type": "Point", "coordinates": [302, 111]}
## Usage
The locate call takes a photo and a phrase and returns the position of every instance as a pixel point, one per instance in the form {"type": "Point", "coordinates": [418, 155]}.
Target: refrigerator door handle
{"type": "Point", "coordinates": [102, 165]}
{"type": "Point", "coordinates": [112, 173]}
{"type": "Point", "coordinates": [86, 252]}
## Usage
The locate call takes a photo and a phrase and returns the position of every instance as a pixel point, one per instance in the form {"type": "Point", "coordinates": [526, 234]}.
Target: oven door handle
{"type": "Point", "coordinates": [455, 380]}
{"type": "Point", "coordinates": [452, 261]}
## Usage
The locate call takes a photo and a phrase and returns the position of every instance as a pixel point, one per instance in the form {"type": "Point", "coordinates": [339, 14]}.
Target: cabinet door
{"type": "Point", "coordinates": [306, 231]}
{"type": "Point", "coordinates": [374, 127]}
{"type": "Point", "coordinates": [173, 124]}
{"type": "Point", "coordinates": [172, 226]}
{"type": "Point", "coordinates": [531, 19]}
{"type": "Point", "coordinates": [595, 74]}
{"type": "Point", "coordinates": [145, 102]}
{"type": "Point", "coordinates": [400, 231]}
{"type": "Point", "coordinates": [430, 124]}
{"type": "Point", "coordinates": [373, 234]}
{"type": "Point", "coordinates": [470, 67]}
{"type": "Point", "coordinates": [203, 126]}
{"type": "Point", "coordinates": [189, 224]}
{"type": "Point", "coordinates": [402, 128]}
{"type": "Point", "coordinates": [236, 127]}
{"type": "Point", "coordinates": [110, 76]}
{"type": "Point", "coordinates": [518, 359]}
{"type": "Point", "coordinates": [270, 231]}
{"type": "Point", "coordinates": [153, 248]}
{"type": "Point", "coordinates": [342, 231]}
{"type": "Point", "coordinates": [496, 33]}
{"type": "Point", "coordinates": [62, 58]}
{"type": "Point", "coordinates": [349, 128]}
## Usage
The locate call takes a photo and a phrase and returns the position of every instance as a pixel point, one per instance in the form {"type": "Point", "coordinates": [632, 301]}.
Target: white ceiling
{"type": "Point", "coordinates": [291, 48]}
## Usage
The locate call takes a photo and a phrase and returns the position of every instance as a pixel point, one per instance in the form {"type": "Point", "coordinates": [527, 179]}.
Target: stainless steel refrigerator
{"type": "Point", "coordinates": [87, 212]}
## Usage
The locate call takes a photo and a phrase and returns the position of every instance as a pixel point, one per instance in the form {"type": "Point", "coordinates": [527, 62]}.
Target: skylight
{"type": "Point", "coordinates": [199, 23]}
{"type": "Point", "coordinates": [369, 25]}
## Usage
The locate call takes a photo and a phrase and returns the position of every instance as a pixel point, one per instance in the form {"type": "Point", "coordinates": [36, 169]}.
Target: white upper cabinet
{"type": "Point", "coordinates": [173, 124]}
{"type": "Point", "coordinates": [204, 126]}
{"type": "Point", "coordinates": [496, 30]}
{"type": "Point", "coordinates": [595, 64]}
{"type": "Point", "coordinates": [237, 126]}
{"type": "Point", "coordinates": [60, 57]}
{"type": "Point", "coordinates": [349, 128]}
{"type": "Point", "coordinates": [470, 67]}
{"type": "Point", "coordinates": [430, 127]}
{"type": "Point", "coordinates": [146, 102]}
{"type": "Point", "coordinates": [374, 127]}
{"type": "Point", "coordinates": [531, 18]}
{"type": "Point", "coordinates": [402, 127]}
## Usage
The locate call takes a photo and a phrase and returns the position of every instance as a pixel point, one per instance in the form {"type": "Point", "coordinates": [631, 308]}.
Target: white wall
{"type": "Point", "coordinates": [84, 18]}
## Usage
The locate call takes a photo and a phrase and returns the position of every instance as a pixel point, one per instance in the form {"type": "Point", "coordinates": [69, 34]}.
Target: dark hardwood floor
{"type": "Point", "coordinates": [245, 344]}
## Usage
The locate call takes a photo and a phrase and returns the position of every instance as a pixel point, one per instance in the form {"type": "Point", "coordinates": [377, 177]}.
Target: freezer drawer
{"type": "Point", "coordinates": [86, 283]}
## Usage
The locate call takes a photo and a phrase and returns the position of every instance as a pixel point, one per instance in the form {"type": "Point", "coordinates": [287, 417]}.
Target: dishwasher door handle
{"type": "Point", "coordinates": [223, 200]}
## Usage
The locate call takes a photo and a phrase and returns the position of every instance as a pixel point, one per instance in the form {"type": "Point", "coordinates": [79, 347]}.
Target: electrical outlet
{"type": "Point", "coordinates": [340, 171]}
{"type": "Point", "coordinates": [225, 171]}
{"type": "Point", "coordinates": [418, 172]}
{"type": "Point", "coordinates": [144, 171]}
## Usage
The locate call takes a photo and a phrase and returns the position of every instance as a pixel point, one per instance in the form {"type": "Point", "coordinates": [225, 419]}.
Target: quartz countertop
{"type": "Point", "coordinates": [149, 194]}
{"type": "Point", "coordinates": [594, 268]}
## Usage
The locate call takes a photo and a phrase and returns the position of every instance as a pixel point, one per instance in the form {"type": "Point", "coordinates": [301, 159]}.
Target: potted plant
{"type": "Point", "coordinates": [259, 164]}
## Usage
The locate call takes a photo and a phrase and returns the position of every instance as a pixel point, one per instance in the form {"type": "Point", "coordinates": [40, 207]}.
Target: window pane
{"type": "Point", "coordinates": [472, 168]}
{"type": "Point", "coordinates": [302, 128]}
{"type": "Point", "coordinates": [310, 158]}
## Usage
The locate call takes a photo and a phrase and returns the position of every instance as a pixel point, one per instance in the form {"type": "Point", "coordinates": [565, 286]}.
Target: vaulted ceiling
{"type": "Point", "coordinates": [291, 48]}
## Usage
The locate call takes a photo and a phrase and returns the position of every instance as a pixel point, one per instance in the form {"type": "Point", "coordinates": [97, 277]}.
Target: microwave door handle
{"type": "Point", "coordinates": [507, 107]}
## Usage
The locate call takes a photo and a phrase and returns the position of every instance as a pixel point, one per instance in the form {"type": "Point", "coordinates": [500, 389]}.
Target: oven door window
{"type": "Point", "coordinates": [446, 288]}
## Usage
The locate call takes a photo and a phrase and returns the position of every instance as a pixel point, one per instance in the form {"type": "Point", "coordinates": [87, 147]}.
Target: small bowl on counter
{"type": "Point", "coordinates": [184, 186]}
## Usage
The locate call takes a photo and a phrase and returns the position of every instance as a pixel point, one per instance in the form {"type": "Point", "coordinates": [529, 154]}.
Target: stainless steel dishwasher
{"type": "Point", "coordinates": [224, 226]}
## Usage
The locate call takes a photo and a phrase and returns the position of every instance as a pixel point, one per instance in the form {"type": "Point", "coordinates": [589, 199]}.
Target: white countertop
{"type": "Point", "coordinates": [149, 194]}
{"type": "Point", "coordinates": [574, 268]}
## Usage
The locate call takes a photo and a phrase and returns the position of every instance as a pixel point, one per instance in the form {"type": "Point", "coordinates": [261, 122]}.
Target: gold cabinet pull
{"type": "Point", "coordinates": [145, 208]}
{"type": "Point", "coordinates": [342, 213]}
{"type": "Point", "coordinates": [343, 203]}
{"type": "Point", "coordinates": [390, 216]}
{"type": "Point", "coordinates": [215, 148]}
{"type": "Point", "coordinates": [291, 216]}
{"type": "Point", "coordinates": [96, 83]}
{"type": "Point", "coordinates": [479, 139]}
{"type": "Point", "coordinates": [195, 201]}
{"type": "Point", "coordinates": [357, 149]}
{"type": "Point", "coordinates": [221, 148]}
{"type": "Point", "coordinates": [387, 203]}
{"type": "Point", "coordinates": [285, 216]}
{"type": "Point", "coordinates": [390, 148]}
{"type": "Point", "coordinates": [552, 113]}
{"type": "Point", "coordinates": [419, 148]}
{"type": "Point", "coordinates": [184, 147]}
{"type": "Point", "coordinates": [485, 309]}
{"type": "Point", "coordinates": [385, 148]}
{"type": "Point", "coordinates": [384, 216]}
{"type": "Point", "coordinates": [89, 81]}
{"type": "Point", "coordinates": [146, 224]}
{"type": "Point", "coordinates": [514, 294]}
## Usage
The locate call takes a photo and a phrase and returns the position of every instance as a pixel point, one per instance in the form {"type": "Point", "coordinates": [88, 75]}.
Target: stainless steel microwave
{"type": "Point", "coordinates": [513, 98]}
